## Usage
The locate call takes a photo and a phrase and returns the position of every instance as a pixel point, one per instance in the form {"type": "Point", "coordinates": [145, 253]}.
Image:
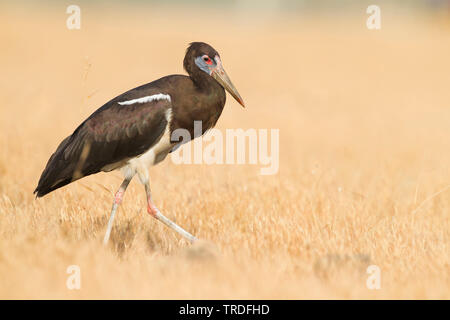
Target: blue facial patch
{"type": "Point", "coordinates": [203, 66]}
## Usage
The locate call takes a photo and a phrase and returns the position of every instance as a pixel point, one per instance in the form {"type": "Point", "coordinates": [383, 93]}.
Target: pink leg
{"type": "Point", "coordinates": [117, 200]}
{"type": "Point", "coordinates": [155, 213]}
{"type": "Point", "coordinates": [119, 196]}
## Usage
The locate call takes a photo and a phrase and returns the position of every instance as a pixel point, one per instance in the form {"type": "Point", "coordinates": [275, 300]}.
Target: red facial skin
{"type": "Point", "coordinates": [207, 61]}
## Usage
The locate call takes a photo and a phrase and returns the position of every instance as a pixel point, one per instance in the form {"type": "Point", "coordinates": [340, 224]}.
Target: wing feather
{"type": "Point", "coordinates": [112, 134]}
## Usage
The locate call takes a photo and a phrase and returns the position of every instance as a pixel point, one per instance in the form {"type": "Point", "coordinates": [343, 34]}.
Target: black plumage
{"type": "Point", "coordinates": [134, 129]}
{"type": "Point", "coordinates": [116, 133]}
{"type": "Point", "coordinates": [110, 136]}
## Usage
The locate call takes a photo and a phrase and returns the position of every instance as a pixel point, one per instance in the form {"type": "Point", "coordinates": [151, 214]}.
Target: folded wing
{"type": "Point", "coordinates": [122, 129]}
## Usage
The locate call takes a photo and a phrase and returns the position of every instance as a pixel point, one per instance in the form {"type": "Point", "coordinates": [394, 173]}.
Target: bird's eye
{"type": "Point", "coordinates": [207, 59]}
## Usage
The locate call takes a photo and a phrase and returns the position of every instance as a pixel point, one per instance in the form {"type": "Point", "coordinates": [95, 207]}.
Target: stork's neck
{"type": "Point", "coordinates": [203, 81]}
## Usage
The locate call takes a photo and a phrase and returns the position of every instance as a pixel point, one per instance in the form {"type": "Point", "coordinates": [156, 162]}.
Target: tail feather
{"type": "Point", "coordinates": [57, 173]}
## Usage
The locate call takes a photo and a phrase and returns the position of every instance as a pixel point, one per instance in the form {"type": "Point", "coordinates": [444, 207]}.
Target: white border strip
{"type": "Point", "coordinates": [159, 96]}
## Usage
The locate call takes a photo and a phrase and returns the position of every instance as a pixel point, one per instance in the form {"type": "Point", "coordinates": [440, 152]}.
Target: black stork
{"type": "Point", "coordinates": [133, 131]}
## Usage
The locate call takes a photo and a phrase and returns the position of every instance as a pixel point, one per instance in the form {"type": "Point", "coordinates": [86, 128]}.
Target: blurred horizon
{"type": "Point", "coordinates": [282, 6]}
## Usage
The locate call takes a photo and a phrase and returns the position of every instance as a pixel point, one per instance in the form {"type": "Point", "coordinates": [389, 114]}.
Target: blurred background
{"type": "Point", "coordinates": [364, 119]}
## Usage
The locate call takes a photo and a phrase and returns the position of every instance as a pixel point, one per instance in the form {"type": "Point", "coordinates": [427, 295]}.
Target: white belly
{"type": "Point", "coordinates": [152, 156]}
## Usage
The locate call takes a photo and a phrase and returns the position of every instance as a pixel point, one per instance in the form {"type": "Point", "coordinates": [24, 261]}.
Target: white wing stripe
{"type": "Point", "coordinates": [159, 96]}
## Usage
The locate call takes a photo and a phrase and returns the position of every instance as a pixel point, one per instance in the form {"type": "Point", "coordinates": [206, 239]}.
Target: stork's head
{"type": "Point", "coordinates": [202, 58]}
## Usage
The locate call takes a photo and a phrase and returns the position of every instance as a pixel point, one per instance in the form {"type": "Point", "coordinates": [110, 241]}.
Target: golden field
{"type": "Point", "coordinates": [364, 174]}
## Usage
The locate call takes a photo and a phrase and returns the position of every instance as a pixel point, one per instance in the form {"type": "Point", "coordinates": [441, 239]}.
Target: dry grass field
{"type": "Point", "coordinates": [364, 175]}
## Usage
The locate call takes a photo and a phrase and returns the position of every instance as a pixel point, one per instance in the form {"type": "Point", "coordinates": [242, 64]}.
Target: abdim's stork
{"type": "Point", "coordinates": [133, 131]}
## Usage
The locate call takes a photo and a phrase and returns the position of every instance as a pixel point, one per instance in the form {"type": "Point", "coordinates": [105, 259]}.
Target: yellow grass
{"type": "Point", "coordinates": [364, 123]}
